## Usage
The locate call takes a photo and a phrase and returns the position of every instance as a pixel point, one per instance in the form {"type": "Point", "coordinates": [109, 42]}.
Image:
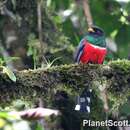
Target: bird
{"type": "Point", "coordinates": [92, 49]}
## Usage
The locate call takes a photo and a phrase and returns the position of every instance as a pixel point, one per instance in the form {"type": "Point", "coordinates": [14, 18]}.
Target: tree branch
{"type": "Point", "coordinates": [40, 26]}
{"type": "Point", "coordinates": [32, 84]}
{"type": "Point", "coordinates": [87, 12]}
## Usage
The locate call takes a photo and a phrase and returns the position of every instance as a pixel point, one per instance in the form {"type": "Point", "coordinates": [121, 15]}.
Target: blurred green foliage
{"type": "Point", "coordinates": [33, 49]}
{"type": "Point", "coordinates": [110, 15]}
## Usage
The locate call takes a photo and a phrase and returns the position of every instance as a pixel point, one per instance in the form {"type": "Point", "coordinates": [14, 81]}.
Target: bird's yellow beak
{"type": "Point", "coordinates": [90, 30]}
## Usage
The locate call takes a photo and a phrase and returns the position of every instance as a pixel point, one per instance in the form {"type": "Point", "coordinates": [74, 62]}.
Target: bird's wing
{"type": "Point", "coordinates": [79, 51]}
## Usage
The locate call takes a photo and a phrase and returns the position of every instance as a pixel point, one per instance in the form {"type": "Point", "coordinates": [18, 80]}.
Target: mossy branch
{"type": "Point", "coordinates": [32, 84]}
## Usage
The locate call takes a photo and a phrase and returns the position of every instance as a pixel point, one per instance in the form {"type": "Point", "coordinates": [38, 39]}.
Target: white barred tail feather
{"type": "Point", "coordinates": [84, 101]}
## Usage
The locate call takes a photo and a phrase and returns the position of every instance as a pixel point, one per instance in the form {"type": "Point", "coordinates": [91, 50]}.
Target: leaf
{"type": "Point", "coordinates": [2, 123]}
{"type": "Point", "coordinates": [48, 3]}
{"type": "Point", "coordinates": [39, 127]}
{"type": "Point", "coordinates": [1, 61]}
{"type": "Point", "coordinates": [10, 74]}
{"type": "Point", "coordinates": [3, 115]}
{"type": "Point", "coordinates": [9, 116]}
{"type": "Point", "coordinates": [54, 60]}
{"type": "Point", "coordinates": [9, 59]}
{"type": "Point", "coordinates": [14, 3]}
{"type": "Point", "coordinates": [30, 51]}
{"type": "Point", "coordinates": [57, 19]}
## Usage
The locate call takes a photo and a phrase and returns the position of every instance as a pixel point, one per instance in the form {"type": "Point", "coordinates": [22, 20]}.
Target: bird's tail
{"type": "Point", "coordinates": [84, 101]}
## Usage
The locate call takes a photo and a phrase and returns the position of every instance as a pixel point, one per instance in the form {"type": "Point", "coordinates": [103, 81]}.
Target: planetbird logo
{"type": "Point", "coordinates": [106, 123]}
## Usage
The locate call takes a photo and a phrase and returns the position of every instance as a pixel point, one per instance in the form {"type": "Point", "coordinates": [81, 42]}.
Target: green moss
{"type": "Point", "coordinates": [121, 65]}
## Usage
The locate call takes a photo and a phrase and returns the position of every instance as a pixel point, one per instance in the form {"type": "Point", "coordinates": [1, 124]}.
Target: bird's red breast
{"type": "Point", "coordinates": [93, 54]}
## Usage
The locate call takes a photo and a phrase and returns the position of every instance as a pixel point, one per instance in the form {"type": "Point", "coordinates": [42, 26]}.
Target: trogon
{"type": "Point", "coordinates": [91, 49]}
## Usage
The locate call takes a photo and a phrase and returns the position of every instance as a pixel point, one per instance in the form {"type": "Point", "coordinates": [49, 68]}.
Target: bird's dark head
{"type": "Point", "coordinates": [94, 30]}
{"type": "Point", "coordinates": [96, 36]}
